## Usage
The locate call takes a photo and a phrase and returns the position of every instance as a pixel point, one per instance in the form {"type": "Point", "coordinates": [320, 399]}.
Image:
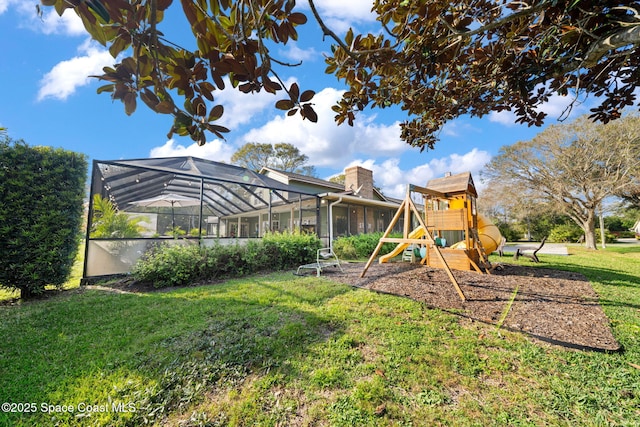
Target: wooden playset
{"type": "Point", "coordinates": [449, 211]}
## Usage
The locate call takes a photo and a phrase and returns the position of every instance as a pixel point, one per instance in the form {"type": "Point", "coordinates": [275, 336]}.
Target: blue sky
{"type": "Point", "coordinates": [47, 99]}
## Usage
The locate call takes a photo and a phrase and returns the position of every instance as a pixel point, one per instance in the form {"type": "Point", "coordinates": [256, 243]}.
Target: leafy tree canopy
{"type": "Point", "coordinates": [435, 59]}
{"type": "Point", "coordinates": [338, 179]}
{"type": "Point", "coordinates": [282, 156]}
{"type": "Point", "coordinates": [576, 166]}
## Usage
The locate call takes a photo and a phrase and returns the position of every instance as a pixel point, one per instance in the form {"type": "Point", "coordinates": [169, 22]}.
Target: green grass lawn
{"type": "Point", "coordinates": [285, 350]}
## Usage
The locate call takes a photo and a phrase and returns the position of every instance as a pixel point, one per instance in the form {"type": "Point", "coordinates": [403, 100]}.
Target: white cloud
{"type": "Point", "coordinates": [359, 10]}
{"type": "Point", "coordinates": [457, 128]}
{"type": "Point", "coordinates": [393, 180]}
{"type": "Point", "coordinates": [47, 23]}
{"type": "Point", "coordinates": [339, 15]}
{"type": "Point", "coordinates": [4, 5]}
{"type": "Point", "coordinates": [69, 23]}
{"type": "Point", "coordinates": [327, 144]}
{"type": "Point", "coordinates": [504, 117]}
{"type": "Point", "coordinates": [241, 108]}
{"type": "Point", "coordinates": [216, 150]}
{"type": "Point", "coordinates": [555, 108]}
{"type": "Point", "coordinates": [66, 76]}
{"type": "Point", "coordinates": [293, 53]}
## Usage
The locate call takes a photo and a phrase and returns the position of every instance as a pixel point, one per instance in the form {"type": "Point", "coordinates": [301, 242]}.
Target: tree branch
{"type": "Point", "coordinates": [628, 36]}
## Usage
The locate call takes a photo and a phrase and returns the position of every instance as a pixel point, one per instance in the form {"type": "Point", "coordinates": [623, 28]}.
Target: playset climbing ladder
{"type": "Point", "coordinates": [484, 257]}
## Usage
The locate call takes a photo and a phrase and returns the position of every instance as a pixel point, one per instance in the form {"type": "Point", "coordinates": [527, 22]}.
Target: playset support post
{"type": "Point", "coordinates": [407, 207]}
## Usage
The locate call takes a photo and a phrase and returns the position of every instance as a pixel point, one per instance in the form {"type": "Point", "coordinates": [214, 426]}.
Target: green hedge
{"type": "Point", "coordinates": [41, 201]}
{"type": "Point", "coordinates": [566, 233]}
{"type": "Point", "coordinates": [180, 265]}
{"type": "Point", "coordinates": [362, 245]}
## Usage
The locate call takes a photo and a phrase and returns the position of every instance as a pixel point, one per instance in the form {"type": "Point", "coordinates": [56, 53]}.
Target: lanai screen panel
{"type": "Point", "coordinates": [226, 189]}
{"type": "Point", "coordinates": [221, 191]}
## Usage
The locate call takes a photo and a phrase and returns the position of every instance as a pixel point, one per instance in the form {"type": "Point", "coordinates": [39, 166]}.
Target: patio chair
{"type": "Point", "coordinates": [325, 257]}
{"type": "Point", "coordinates": [529, 252]}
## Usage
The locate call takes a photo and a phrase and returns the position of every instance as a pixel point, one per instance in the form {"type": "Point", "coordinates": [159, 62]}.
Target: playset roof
{"type": "Point", "coordinates": [461, 183]}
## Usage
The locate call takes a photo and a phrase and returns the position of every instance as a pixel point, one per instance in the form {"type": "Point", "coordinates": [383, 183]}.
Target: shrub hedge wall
{"type": "Point", "coordinates": [41, 202]}
{"type": "Point", "coordinates": [180, 265]}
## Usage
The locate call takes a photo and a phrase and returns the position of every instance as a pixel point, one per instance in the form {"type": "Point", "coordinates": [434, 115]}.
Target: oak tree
{"type": "Point", "coordinates": [281, 156]}
{"type": "Point", "coordinates": [435, 59]}
{"type": "Point", "coordinates": [576, 166]}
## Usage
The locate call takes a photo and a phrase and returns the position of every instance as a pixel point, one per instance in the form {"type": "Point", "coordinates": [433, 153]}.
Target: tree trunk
{"type": "Point", "coordinates": [25, 293]}
{"type": "Point", "coordinates": [589, 227]}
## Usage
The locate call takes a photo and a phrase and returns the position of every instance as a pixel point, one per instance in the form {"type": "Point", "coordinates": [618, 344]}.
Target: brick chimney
{"type": "Point", "coordinates": [360, 181]}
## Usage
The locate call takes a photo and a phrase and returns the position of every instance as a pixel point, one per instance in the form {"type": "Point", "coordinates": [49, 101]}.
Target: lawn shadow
{"type": "Point", "coordinates": [164, 345]}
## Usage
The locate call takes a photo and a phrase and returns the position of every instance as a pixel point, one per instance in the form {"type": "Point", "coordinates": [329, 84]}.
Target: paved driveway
{"type": "Point", "coordinates": [548, 248]}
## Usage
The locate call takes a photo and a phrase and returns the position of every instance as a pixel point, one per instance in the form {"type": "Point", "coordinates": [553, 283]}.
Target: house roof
{"type": "Point", "coordinates": [291, 177]}
{"type": "Point", "coordinates": [452, 184]}
{"type": "Point", "coordinates": [320, 184]}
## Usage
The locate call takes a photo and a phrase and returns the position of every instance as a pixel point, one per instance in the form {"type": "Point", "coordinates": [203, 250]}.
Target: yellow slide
{"type": "Point", "coordinates": [488, 233]}
{"type": "Point", "coordinates": [415, 234]}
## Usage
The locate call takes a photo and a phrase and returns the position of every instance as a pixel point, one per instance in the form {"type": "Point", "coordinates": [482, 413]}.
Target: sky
{"type": "Point", "coordinates": [47, 98]}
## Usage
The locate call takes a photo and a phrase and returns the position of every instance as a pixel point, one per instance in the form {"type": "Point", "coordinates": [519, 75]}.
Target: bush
{"type": "Point", "coordinates": [609, 237]}
{"type": "Point", "coordinates": [290, 248]}
{"type": "Point", "coordinates": [170, 265]}
{"type": "Point", "coordinates": [362, 245]}
{"type": "Point", "coordinates": [178, 265]}
{"type": "Point", "coordinates": [344, 248]}
{"type": "Point", "coordinates": [224, 261]}
{"type": "Point", "coordinates": [508, 231]}
{"type": "Point", "coordinates": [565, 233]}
{"type": "Point", "coordinates": [108, 222]}
{"type": "Point", "coordinates": [41, 204]}
{"type": "Point", "coordinates": [195, 232]}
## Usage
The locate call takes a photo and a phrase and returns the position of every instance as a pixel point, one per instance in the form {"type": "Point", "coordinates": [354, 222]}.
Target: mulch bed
{"type": "Point", "coordinates": [557, 307]}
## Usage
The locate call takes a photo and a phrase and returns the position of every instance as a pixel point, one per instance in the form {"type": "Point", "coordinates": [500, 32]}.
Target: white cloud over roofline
{"type": "Point", "coordinates": [215, 150]}
{"type": "Point", "coordinates": [393, 180]}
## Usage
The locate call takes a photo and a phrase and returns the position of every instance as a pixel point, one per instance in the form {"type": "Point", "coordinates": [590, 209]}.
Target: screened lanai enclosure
{"type": "Point", "coordinates": [135, 204]}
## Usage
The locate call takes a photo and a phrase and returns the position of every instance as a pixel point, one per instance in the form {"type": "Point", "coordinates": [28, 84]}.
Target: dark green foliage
{"type": "Point", "coordinates": [508, 231]}
{"type": "Point", "coordinates": [362, 245]}
{"type": "Point", "coordinates": [178, 265]}
{"type": "Point", "coordinates": [616, 223]}
{"type": "Point", "coordinates": [290, 249]}
{"type": "Point", "coordinates": [225, 261]}
{"type": "Point", "coordinates": [41, 197]}
{"type": "Point", "coordinates": [171, 265]}
{"type": "Point", "coordinates": [609, 237]}
{"type": "Point", "coordinates": [566, 233]}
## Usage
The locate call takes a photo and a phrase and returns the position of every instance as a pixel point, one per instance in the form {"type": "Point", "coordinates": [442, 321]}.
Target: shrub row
{"type": "Point", "coordinates": [362, 245]}
{"type": "Point", "coordinates": [571, 233]}
{"type": "Point", "coordinates": [179, 265]}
